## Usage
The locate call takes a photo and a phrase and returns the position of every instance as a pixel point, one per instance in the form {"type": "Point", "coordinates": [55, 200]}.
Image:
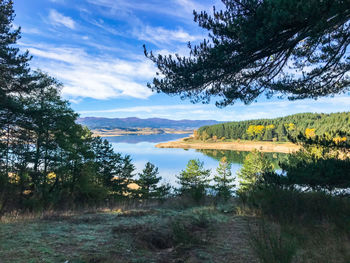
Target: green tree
{"type": "Point", "coordinates": [124, 178]}
{"type": "Point", "coordinates": [194, 180]}
{"type": "Point", "coordinates": [323, 163]}
{"type": "Point", "coordinates": [107, 162]}
{"type": "Point", "coordinates": [148, 182]}
{"type": "Point", "coordinates": [224, 180]}
{"type": "Point", "coordinates": [252, 171]}
{"type": "Point", "coordinates": [251, 47]}
{"type": "Point", "coordinates": [14, 78]}
{"type": "Point", "coordinates": [14, 68]}
{"type": "Point", "coordinates": [268, 135]}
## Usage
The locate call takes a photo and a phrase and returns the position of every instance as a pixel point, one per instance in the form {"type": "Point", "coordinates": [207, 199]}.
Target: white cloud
{"type": "Point", "coordinates": [176, 8]}
{"type": "Point", "coordinates": [160, 35]}
{"type": "Point", "coordinates": [148, 109]}
{"type": "Point", "coordinates": [139, 30]}
{"type": "Point", "coordinates": [57, 19]}
{"type": "Point", "coordinates": [86, 75]}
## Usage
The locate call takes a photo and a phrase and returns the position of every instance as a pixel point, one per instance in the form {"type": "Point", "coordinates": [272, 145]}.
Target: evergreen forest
{"type": "Point", "coordinates": [278, 129]}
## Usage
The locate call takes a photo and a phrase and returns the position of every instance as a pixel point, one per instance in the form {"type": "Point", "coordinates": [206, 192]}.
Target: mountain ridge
{"type": "Point", "coordinates": [134, 122]}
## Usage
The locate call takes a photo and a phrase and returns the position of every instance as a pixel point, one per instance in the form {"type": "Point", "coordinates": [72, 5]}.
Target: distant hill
{"type": "Point", "coordinates": [133, 122]}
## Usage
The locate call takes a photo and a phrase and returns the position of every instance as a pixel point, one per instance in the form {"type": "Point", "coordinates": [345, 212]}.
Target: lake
{"type": "Point", "coordinates": [170, 161]}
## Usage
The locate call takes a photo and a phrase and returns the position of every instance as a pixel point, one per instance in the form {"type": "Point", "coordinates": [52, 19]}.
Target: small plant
{"type": "Point", "coordinates": [181, 233]}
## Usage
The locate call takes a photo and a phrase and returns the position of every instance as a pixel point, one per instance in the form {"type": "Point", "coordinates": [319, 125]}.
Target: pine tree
{"type": "Point", "coordinates": [107, 162]}
{"type": "Point", "coordinates": [251, 47]}
{"type": "Point", "coordinates": [148, 182]}
{"type": "Point", "coordinates": [253, 169]}
{"type": "Point", "coordinates": [194, 180]}
{"type": "Point", "coordinates": [14, 78]}
{"type": "Point", "coordinates": [224, 180]}
{"type": "Point", "coordinates": [124, 178]}
{"type": "Point", "coordinates": [14, 68]}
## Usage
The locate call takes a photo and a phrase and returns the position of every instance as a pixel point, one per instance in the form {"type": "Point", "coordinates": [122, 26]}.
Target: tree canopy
{"type": "Point", "coordinates": [277, 129]}
{"type": "Point", "coordinates": [293, 48]}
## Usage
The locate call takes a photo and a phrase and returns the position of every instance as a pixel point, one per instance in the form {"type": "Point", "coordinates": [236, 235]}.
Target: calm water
{"type": "Point", "coordinates": [170, 162]}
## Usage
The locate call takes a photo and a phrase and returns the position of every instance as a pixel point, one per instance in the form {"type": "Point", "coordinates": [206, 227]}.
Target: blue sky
{"type": "Point", "coordinates": [94, 47]}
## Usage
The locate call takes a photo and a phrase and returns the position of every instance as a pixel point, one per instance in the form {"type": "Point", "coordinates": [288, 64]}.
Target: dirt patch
{"type": "Point", "coordinates": [158, 240]}
{"type": "Point", "coordinates": [231, 242]}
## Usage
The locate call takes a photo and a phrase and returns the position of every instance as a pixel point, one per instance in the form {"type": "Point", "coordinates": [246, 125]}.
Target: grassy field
{"type": "Point", "coordinates": [213, 234]}
{"type": "Point", "coordinates": [199, 234]}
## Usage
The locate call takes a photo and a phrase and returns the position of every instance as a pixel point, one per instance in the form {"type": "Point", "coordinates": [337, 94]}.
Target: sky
{"type": "Point", "coordinates": [94, 47]}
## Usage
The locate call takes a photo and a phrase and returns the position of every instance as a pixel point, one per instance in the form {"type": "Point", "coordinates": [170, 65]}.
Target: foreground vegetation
{"type": "Point", "coordinates": [296, 228]}
{"type": "Point", "coordinates": [158, 234]}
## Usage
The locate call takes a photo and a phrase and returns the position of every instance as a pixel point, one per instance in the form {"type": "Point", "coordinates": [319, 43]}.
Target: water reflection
{"type": "Point", "coordinates": [171, 161]}
{"type": "Point", "coordinates": [155, 138]}
{"type": "Point", "coordinates": [238, 157]}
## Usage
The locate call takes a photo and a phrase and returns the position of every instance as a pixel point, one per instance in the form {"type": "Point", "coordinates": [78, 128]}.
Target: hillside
{"type": "Point", "coordinates": [278, 128]}
{"type": "Point", "coordinates": [133, 122]}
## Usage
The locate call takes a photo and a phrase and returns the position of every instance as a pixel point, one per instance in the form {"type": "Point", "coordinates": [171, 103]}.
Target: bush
{"type": "Point", "coordinates": [301, 207]}
{"type": "Point", "coordinates": [271, 245]}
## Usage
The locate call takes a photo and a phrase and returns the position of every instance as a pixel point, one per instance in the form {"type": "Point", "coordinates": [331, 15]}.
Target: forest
{"type": "Point", "coordinates": [47, 160]}
{"type": "Point", "coordinates": [278, 129]}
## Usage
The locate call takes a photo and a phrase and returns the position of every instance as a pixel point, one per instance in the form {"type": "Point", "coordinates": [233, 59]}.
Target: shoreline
{"type": "Point", "coordinates": [117, 132]}
{"type": "Point", "coordinates": [245, 146]}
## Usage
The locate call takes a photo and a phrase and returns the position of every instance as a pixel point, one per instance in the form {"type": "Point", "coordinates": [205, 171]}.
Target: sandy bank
{"type": "Point", "coordinates": [186, 143]}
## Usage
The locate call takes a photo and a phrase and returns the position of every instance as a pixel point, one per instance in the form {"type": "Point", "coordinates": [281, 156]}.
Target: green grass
{"type": "Point", "coordinates": [131, 236]}
{"type": "Point", "coordinates": [225, 233]}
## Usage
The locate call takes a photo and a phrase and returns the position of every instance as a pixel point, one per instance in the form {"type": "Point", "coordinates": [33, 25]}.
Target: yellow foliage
{"type": "Point", "coordinates": [14, 178]}
{"type": "Point", "coordinates": [338, 139]}
{"type": "Point", "coordinates": [259, 129]}
{"type": "Point", "coordinates": [223, 159]}
{"type": "Point", "coordinates": [195, 134]}
{"type": "Point", "coordinates": [51, 176]}
{"type": "Point", "coordinates": [205, 136]}
{"type": "Point", "coordinates": [270, 127]}
{"type": "Point", "coordinates": [309, 133]}
{"type": "Point", "coordinates": [255, 130]}
{"type": "Point", "coordinates": [290, 127]}
{"type": "Point", "coordinates": [250, 130]}
{"type": "Point", "coordinates": [133, 186]}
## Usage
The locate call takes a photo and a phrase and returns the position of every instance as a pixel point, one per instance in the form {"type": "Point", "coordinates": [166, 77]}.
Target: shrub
{"type": "Point", "coordinates": [292, 206]}
{"type": "Point", "coordinates": [271, 245]}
